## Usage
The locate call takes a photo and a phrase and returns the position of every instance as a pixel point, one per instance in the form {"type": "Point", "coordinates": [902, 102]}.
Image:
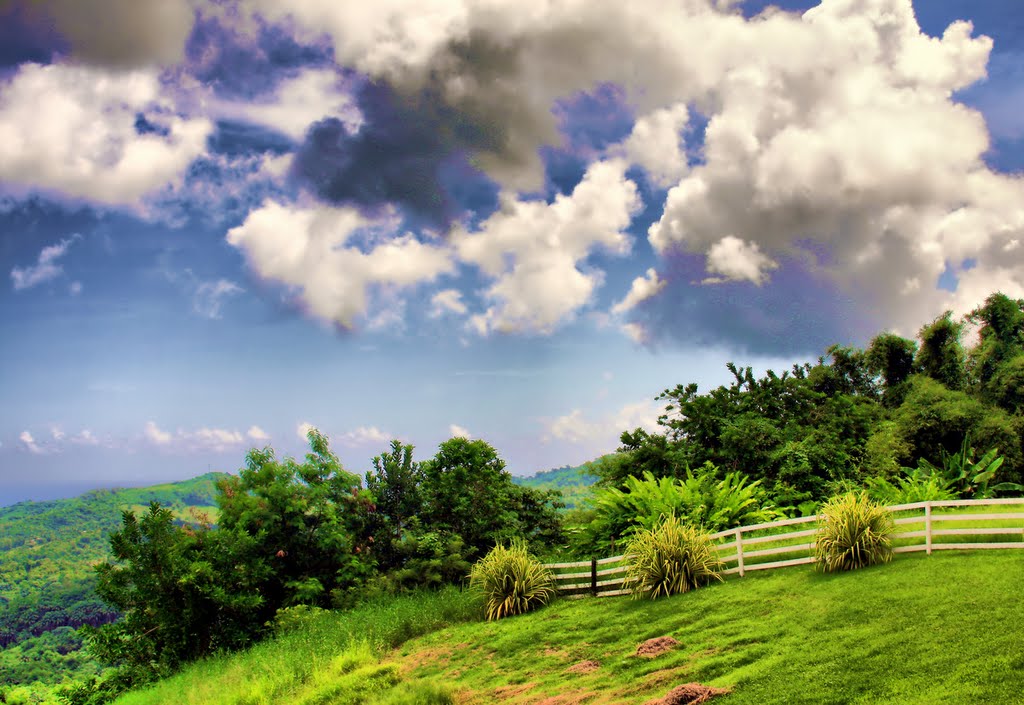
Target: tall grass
{"type": "Point", "coordinates": [328, 657]}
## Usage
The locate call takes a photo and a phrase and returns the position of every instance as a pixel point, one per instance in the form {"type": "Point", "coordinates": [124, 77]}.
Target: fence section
{"type": "Point", "coordinates": [962, 524]}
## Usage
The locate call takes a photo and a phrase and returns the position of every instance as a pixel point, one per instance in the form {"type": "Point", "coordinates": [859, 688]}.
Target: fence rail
{"type": "Point", "coordinates": [970, 529]}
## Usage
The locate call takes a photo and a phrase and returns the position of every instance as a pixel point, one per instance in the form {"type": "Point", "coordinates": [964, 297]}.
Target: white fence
{"type": "Point", "coordinates": [766, 546]}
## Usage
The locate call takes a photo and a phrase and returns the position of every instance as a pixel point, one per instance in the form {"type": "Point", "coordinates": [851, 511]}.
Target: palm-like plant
{"type": "Point", "coordinates": [511, 581]}
{"type": "Point", "coordinates": [855, 532]}
{"type": "Point", "coordinates": [670, 558]}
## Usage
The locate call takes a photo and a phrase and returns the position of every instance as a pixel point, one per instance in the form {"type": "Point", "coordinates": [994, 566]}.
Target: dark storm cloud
{"type": "Point", "coordinates": [798, 314]}
{"type": "Point", "coordinates": [26, 34]}
{"type": "Point", "coordinates": [404, 154]}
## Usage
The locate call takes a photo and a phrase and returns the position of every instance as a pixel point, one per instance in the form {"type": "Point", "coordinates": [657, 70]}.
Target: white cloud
{"type": "Point", "coordinates": [447, 301]}
{"type": "Point", "coordinates": [86, 438]}
{"type": "Point", "coordinates": [29, 443]}
{"type": "Point", "coordinates": [257, 435]}
{"type": "Point", "coordinates": [732, 259]}
{"type": "Point", "coordinates": [642, 289]}
{"type": "Point", "coordinates": [313, 251]}
{"type": "Point", "coordinates": [57, 433]}
{"type": "Point", "coordinates": [45, 268]}
{"type": "Point", "coordinates": [209, 296]}
{"type": "Point", "coordinates": [535, 250]}
{"type": "Point", "coordinates": [155, 435]}
{"type": "Point", "coordinates": [365, 435]}
{"type": "Point", "coordinates": [75, 288]}
{"type": "Point", "coordinates": [303, 429]}
{"type": "Point", "coordinates": [456, 431]}
{"type": "Point", "coordinates": [655, 144]}
{"type": "Point", "coordinates": [299, 102]}
{"type": "Point", "coordinates": [202, 439]}
{"type": "Point", "coordinates": [602, 434]}
{"type": "Point", "coordinates": [71, 129]}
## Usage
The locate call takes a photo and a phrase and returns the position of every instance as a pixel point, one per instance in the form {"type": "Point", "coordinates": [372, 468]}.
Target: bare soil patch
{"type": "Point", "coordinates": [656, 646]}
{"type": "Point", "coordinates": [583, 667]}
{"type": "Point", "coordinates": [689, 694]}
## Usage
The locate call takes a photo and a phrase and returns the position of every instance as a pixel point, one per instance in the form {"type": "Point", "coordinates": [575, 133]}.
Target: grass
{"type": "Point", "coordinates": [920, 630]}
{"type": "Point", "coordinates": [924, 630]}
{"type": "Point", "coordinates": [331, 657]}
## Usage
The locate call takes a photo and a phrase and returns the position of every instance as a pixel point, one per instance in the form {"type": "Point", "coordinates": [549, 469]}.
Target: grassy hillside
{"type": "Point", "coordinates": [924, 629]}
{"type": "Point", "coordinates": [574, 482]}
{"type": "Point", "coordinates": [47, 550]}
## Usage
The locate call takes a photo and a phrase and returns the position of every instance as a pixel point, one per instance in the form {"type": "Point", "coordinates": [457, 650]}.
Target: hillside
{"type": "Point", "coordinates": [46, 579]}
{"type": "Point", "coordinates": [574, 482]}
{"type": "Point", "coordinates": [925, 630]}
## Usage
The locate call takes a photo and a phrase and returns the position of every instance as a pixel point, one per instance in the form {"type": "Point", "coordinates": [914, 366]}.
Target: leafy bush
{"type": "Point", "coordinates": [511, 581]}
{"type": "Point", "coordinates": [702, 498]}
{"type": "Point", "coordinates": [671, 558]}
{"type": "Point", "coordinates": [855, 533]}
{"type": "Point", "coordinates": [918, 486]}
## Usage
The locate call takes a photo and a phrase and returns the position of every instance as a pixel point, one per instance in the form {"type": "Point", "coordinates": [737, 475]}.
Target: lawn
{"type": "Point", "coordinates": [923, 629]}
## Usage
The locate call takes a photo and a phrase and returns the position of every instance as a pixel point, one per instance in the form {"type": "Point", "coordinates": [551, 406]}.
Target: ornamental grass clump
{"type": "Point", "coordinates": [855, 532]}
{"type": "Point", "coordinates": [670, 558]}
{"type": "Point", "coordinates": [511, 581]}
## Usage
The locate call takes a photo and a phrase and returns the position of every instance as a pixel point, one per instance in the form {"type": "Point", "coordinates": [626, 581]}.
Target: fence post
{"type": "Point", "coordinates": [593, 577]}
{"type": "Point", "coordinates": [928, 527]}
{"type": "Point", "coordinates": [739, 549]}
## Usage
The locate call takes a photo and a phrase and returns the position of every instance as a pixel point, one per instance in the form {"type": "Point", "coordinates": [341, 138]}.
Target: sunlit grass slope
{"type": "Point", "coordinates": [927, 630]}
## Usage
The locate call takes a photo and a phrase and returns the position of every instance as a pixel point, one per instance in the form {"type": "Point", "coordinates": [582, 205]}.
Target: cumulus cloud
{"type": "Point", "coordinates": [29, 443]}
{"type": "Point", "coordinates": [602, 432]}
{"type": "Point", "coordinates": [535, 250]}
{"type": "Point", "coordinates": [732, 259]}
{"type": "Point", "coordinates": [642, 289]}
{"type": "Point", "coordinates": [303, 429]}
{"type": "Point", "coordinates": [364, 435]}
{"type": "Point", "coordinates": [315, 251]}
{"type": "Point", "coordinates": [202, 439]}
{"type": "Point", "coordinates": [76, 130]}
{"type": "Point", "coordinates": [656, 144]}
{"type": "Point", "coordinates": [46, 267]}
{"type": "Point", "coordinates": [86, 438]}
{"type": "Point", "coordinates": [257, 435]}
{"type": "Point", "coordinates": [456, 431]}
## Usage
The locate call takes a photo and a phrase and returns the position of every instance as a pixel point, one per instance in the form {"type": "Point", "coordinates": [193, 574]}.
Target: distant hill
{"type": "Point", "coordinates": [574, 482]}
{"type": "Point", "coordinates": [47, 550]}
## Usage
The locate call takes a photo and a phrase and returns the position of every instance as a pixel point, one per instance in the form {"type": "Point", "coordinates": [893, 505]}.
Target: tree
{"type": "Point", "coordinates": [182, 593]}
{"type": "Point", "coordinates": [892, 357]}
{"type": "Point", "coordinates": [941, 355]}
{"type": "Point", "coordinates": [310, 522]}
{"type": "Point", "coordinates": [467, 492]}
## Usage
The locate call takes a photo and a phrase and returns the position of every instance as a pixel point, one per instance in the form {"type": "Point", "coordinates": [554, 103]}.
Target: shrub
{"type": "Point", "coordinates": [671, 558]}
{"type": "Point", "coordinates": [511, 581]}
{"type": "Point", "coordinates": [917, 486]}
{"type": "Point", "coordinates": [855, 532]}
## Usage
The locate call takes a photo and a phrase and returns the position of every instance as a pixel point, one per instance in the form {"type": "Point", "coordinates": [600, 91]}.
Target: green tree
{"type": "Point", "coordinates": [941, 355]}
{"type": "Point", "coordinates": [310, 522]}
{"type": "Point", "coordinates": [181, 591]}
{"type": "Point", "coordinates": [892, 358]}
{"type": "Point", "coordinates": [467, 492]}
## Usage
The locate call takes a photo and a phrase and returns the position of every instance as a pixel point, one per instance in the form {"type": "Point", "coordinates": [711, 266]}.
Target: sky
{"type": "Point", "coordinates": [225, 221]}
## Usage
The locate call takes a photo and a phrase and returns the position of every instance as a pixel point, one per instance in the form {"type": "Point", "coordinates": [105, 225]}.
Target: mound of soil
{"type": "Point", "coordinates": [689, 694]}
{"type": "Point", "coordinates": [656, 646]}
{"type": "Point", "coordinates": [583, 667]}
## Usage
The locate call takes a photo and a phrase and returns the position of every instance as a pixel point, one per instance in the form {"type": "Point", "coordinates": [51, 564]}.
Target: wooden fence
{"type": "Point", "coordinates": [773, 545]}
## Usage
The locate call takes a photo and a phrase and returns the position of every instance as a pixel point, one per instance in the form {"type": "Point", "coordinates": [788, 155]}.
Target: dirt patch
{"type": "Point", "coordinates": [689, 694]}
{"type": "Point", "coordinates": [583, 667]}
{"type": "Point", "coordinates": [656, 646]}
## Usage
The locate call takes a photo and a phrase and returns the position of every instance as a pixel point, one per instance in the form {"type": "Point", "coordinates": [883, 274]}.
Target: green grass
{"type": "Point", "coordinates": [926, 630]}
{"type": "Point", "coordinates": [331, 657]}
{"type": "Point", "coordinates": [923, 630]}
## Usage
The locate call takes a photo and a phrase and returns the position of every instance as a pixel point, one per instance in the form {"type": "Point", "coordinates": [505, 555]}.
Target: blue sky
{"type": "Point", "coordinates": [224, 221]}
